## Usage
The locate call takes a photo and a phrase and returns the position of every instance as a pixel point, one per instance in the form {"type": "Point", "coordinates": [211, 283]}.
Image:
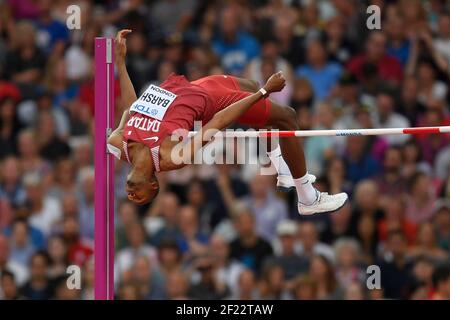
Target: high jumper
{"type": "Point", "coordinates": [144, 135]}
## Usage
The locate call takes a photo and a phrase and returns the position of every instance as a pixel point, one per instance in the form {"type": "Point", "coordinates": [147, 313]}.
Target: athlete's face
{"type": "Point", "coordinates": [141, 192]}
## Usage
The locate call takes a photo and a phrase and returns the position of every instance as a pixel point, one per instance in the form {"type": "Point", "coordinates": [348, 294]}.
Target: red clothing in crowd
{"type": "Point", "coordinates": [389, 68]}
{"type": "Point", "coordinates": [80, 252]}
{"type": "Point", "coordinates": [408, 229]}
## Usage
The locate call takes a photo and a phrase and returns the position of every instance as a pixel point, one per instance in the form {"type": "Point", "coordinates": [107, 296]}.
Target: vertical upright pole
{"type": "Point", "coordinates": [104, 170]}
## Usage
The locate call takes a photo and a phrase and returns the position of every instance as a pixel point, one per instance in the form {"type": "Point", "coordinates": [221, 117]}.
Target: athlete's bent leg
{"type": "Point", "coordinates": [310, 200]}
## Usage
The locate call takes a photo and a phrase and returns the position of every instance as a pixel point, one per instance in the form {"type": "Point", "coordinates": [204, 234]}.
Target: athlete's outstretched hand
{"type": "Point", "coordinates": [275, 83]}
{"type": "Point", "coordinates": [121, 45]}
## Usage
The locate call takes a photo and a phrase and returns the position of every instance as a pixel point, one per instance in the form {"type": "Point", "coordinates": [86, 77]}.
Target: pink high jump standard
{"type": "Point", "coordinates": [104, 170]}
{"type": "Point", "coordinates": [104, 162]}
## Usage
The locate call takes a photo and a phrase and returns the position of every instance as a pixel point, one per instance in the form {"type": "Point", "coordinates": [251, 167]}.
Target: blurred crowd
{"type": "Point", "coordinates": [223, 231]}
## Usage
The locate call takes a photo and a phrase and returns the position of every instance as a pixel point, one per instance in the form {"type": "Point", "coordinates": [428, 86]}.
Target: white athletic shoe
{"type": "Point", "coordinates": [286, 183]}
{"type": "Point", "coordinates": [324, 203]}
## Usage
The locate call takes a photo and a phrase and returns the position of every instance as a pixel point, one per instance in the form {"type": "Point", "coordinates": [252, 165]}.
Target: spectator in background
{"type": "Point", "coordinates": [421, 200]}
{"type": "Point", "coordinates": [429, 86]}
{"type": "Point", "coordinates": [45, 210]}
{"type": "Point", "coordinates": [388, 67]}
{"type": "Point", "coordinates": [177, 286]}
{"type": "Point", "coordinates": [209, 287]}
{"type": "Point", "coordinates": [366, 233]}
{"type": "Point", "coordinates": [410, 106]}
{"type": "Point", "coordinates": [395, 268]}
{"type": "Point", "coordinates": [50, 32]}
{"type": "Point", "coordinates": [79, 250]}
{"type": "Point", "coordinates": [354, 291]}
{"type": "Point", "coordinates": [64, 183]}
{"type": "Point", "coordinates": [147, 278]}
{"type": "Point", "coordinates": [173, 16]}
{"type": "Point", "coordinates": [442, 223]}
{"type": "Point", "coordinates": [63, 292]}
{"type": "Point", "coordinates": [422, 274]}
{"type": "Point", "coordinates": [398, 45]}
{"type": "Point", "coordinates": [57, 252]}
{"type": "Point", "coordinates": [191, 240]}
{"type": "Point", "coordinates": [412, 160]}
{"type": "Point", "coordinates": [88, 280]}
{"type": "Point", "coordinates": [197, 197]}
{"type": "Point", "coordinates": [129, 292]}
{"type": "Point", "coordinates": [321, 271]}
{"type": "Point", "coordinates": [234, 46]}
{"type": "Point", "coordinates": [39, 287]}
{"type": "Point", "coordinates": [322, 74]}
{"type": "Point", "coordinates": [28, 150]}
{"type": "Point", "coordinates": [8, 286]}
{"type": "Point", "coordinates": [270, 61]}
{"type": "Point", "coordinates": [127, 215]}
{"type": "Point", "coordinates": [11, 186]}
{"type": "Point", "coordinates": [359, 164]}
{"type": "Point", "coordinates": [339, 48]}
{"type": "Point", "coordinates": [308, 243]}
{"type": "Point", "coordinates": [227, 269]}
{"type": "Point", "coordinates": [290, 42]}
{"type": "Point", "coordinates": [441, 281]}
{"type": "Point", "coordinates": [426, 244]}
{"type": "Point", "coordinates": [10, 124]}
{"type": "Point", "coordinates": [25, 61]}
{"type": "Point", "coordinates": [248, 248]}
{"type": "Point", "coordinates": [285, 256]}
{"type": "Point", "coordinates": [139, 67]}
{"type": "Point", "coordinates": [169, 258]}
{"type": "Point", "coordinates": [21, 247]}
{"type": "Point", "coordinates": [273, 286]}
{"type": "Point", "coordinates": [168, 213]}
{"type": "Point", "coordinates": [126, 258]}
{"type": "Point", "coordinates": [86, 203]}
{"type": "Point", "coordinates": [60, 90]}
{"type": "Point", "coordinates": [391, 181]}
{"type": "Point", "coordinates": [246, 287]}
{"type": "Point", "coordinates": [395, 219]}
{"type": "Point", "coordinates": [319, 150]}
{"type": "Point", "coordinates": [267, 209]}
{"type": "Point", "coordinates": [51, 146]}
{"type": "Point", "coordinates": [366, 202]}
{"type": "Point", "coordinates": [339, 225]}
{"type": "Point", "coordinates": [302, 94]}
{"type": "Point", "coordinates": [442, 41]}
{"type": "Point", "coordinates": [305, 288]}
{"type": "Point", "coordinates": [20, 272]}
{"type": "Point", "coordinates": [388, 118]}
{"type": "Point", "coordinates": [348, 267]}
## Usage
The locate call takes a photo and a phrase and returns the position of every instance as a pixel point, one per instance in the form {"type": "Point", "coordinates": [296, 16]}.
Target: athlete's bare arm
{"type": "Point", "coordinates": [230, 114]}
{"type": "Point", "coordinates": [127, 92]}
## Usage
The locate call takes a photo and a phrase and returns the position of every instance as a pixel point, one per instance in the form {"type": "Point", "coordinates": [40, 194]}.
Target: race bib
{"type": "Point", "coordinates": [154, 102]}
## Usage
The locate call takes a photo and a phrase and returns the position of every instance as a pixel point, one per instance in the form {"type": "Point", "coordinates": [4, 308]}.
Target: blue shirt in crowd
{"type": "Point", "coordinates": [49, 34]}
{"type": "Point", "coordinates": [322, 80]}
{"type": "Point", "coordinates": [235, 55]}
{"type": "Point", "coordinates": [401, 53]}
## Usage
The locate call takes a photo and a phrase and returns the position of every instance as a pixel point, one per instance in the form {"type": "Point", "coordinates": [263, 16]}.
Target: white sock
{"type": "Point", "coordinates": [306, 193]}
{"type": "Point", "coordinates": [278, 162]}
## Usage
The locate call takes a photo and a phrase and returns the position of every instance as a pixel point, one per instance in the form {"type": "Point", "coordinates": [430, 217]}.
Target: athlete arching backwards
{"type": "Point", "coordinates": [143, 137]}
